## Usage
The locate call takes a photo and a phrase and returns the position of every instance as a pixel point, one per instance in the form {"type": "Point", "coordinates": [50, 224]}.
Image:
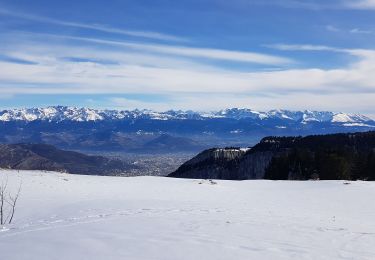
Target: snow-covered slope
{"type": "Point", "coordinates": [62, 113]}
{"type": "Point", "coordinates": [62, 216]}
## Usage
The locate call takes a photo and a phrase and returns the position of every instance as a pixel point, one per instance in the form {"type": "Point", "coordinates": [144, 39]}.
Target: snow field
{"type": "Point", "coordinates": [61, 216]}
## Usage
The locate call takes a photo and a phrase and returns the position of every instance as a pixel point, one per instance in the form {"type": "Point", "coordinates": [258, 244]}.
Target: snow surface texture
{"type": "Point", "coordinates": [72, 217]}
{"type": "Point", "coordinates": [62, 113]}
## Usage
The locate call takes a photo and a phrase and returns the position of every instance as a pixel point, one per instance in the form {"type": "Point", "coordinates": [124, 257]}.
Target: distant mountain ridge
{"type": "Point", "coordinates": [49, 158]}
{"type": "Point", "coordinates": [146, 131]}
{"type": "Point", "coordinates": [64, 113]}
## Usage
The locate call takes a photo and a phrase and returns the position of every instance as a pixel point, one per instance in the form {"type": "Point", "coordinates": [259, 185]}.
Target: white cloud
{"type": "Point", "coordinates": [359, 103]}
{"type": "Point", "coordinates": [296, 4]}
{"type": "Point", "coordinates": [360, 31]}
{"type": "Point", "coordinates": [332, 28]}
{"type": "Point", "coordinates": [326, 5]}
{"type": "Point", "coordinates": [362, 53]}
{"type": "Point", "coordinates": [208, 53]}
{"type": "Point", "coordinates": [131, 104]}
{"type": "Point", "coordinates": [360, 4]}
{"type": "Point", "coordinates": [164, 49]}
{"type": "Point", "coordinates": [91, 77]}
{"type": "Point", "coordinates": [316, 5]}
{"type": "Point", "coordinates": [189, 83]}
{"type": "Point", "coordinates": [96, 27]}
{"type": "Point", "coordinates": [302, 47]}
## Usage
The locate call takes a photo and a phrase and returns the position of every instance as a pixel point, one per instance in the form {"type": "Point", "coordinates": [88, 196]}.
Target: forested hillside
{"type": "Point", "coordinates": [325, 157]}
{"type": "Point", "coordinates": [339, 156]}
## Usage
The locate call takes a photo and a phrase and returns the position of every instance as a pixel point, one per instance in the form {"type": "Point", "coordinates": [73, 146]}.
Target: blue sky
{"type": "Point", "coordinates": [189, 54]}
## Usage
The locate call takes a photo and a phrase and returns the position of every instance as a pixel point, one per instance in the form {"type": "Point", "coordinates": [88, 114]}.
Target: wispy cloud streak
{"type": "Point", "coordinates": [96, 27]}
{"type": "Point", "coordinates": [360, 4]}
{"type": "Point", "coordinates": [316, 5]}
{"type": "Point", "coordinates": [332, 28]}
{"type": "Point", "coordinates": [303, 47]}
{"type": "Point", "coordinates": [208, 53]}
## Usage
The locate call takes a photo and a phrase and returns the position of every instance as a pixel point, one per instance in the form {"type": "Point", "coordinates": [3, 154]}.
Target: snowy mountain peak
{"type": "Point", "coordinates": [57, 113]}
{"type": "Point", "coordinates": [64, 113]}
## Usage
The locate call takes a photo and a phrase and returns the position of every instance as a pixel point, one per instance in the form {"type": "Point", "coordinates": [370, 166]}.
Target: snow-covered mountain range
{"type": "Point", "coordinates": [63, 113]}
{"type": "Point", "coordinates": [151, 131]}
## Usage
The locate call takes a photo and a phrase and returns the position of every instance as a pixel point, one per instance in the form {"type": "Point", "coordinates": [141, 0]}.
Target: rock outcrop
{"type": "Point", "coordinates": [212, 164]}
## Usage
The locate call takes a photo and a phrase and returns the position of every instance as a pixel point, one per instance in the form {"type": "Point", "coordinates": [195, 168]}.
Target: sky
{"type": "Point", "coordinates": [189, 54]}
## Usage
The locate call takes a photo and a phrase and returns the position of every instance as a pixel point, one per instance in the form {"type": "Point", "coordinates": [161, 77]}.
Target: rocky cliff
{"type": "Point", "coordinates": [212, 164]}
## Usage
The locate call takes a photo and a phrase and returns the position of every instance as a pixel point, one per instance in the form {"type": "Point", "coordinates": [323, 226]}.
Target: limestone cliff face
{"type": "Point", "coordinates": [217, 155]}
{"type": "Point", "coordinates": [212, 164]}
{"type": "Point", "coordinates": [254, 165]}
{"type": "Point", "coordinates": [227, 164]}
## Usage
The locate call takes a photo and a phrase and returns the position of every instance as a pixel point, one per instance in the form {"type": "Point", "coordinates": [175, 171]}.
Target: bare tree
{"type": "Point", "coordinates": [3, 189]}
{"type": "Point", "coordinates": [7, 213]}
{"type": "Point", "coordinates": [12, 201]}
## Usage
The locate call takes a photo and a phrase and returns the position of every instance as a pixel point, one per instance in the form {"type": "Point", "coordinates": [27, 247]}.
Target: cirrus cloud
{"type": "Point", "coordinates": [361, 4]}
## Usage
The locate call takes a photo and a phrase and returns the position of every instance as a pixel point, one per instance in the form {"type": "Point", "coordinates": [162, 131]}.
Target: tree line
{"type": "Point", "coordinates": [328, 157]}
